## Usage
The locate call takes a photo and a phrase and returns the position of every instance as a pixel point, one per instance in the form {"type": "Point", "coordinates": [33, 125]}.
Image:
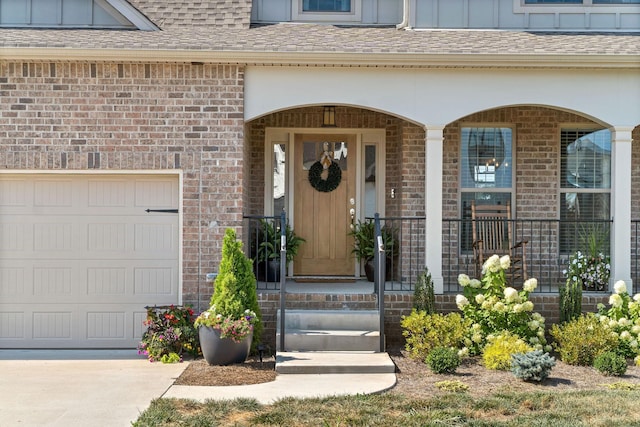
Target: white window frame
{"type": "Point", "coordinates": [519, 6]}
{"type": "Point", "coordinates": [298, 14]}
{"type": "Point", "coordinates": [562, 191]}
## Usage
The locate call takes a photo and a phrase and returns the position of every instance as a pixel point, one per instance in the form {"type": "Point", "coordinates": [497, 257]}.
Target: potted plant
{"type": "Point", "coordinates": [364, 246]}
{"type": "Point", "coordinates": [267, 261]}
{"type": "Point", "coordinates": [232, 324]}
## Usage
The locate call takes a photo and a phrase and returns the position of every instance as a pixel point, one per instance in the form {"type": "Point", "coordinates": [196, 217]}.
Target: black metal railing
{"type": "Point", "coordinates": [263, 247]}
{"type": "Point", "coordinates": [635, 254]}
{"type": "Point", "coordinates": [550, 243]}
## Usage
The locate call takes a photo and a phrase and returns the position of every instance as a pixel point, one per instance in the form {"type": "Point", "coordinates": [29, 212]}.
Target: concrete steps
{"type": "Point", "coordinates": [337, 362]}
{"type": "Point", "coordinates": [330, 330]}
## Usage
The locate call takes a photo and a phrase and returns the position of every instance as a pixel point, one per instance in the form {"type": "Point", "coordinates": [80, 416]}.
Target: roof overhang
{"type": "Point", "coordinates": [324, 59]}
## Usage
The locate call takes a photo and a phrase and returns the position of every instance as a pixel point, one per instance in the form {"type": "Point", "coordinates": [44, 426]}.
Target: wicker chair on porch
{"type": "Point", "coordinates": [493, 233]}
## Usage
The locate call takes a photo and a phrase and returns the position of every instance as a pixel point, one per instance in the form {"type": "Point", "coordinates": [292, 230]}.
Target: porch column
{"type": "Point", "coordinates": [433, 204]}
{"type": "Point", "coordinates": [621, 205]}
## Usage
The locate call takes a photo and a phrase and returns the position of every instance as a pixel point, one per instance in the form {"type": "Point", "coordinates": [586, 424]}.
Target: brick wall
{"type": "Point", "coordinates": [124, 116]}
{"type": "Point", "coordinates": [396, 305]}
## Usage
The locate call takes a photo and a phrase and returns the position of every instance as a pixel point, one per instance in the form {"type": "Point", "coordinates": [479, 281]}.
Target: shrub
{"type": "Point", "coordinates": [493, 307]}
{"type": "Point", "coordinates": [610, 363]}
{"type": "Point", "coordinates": [170, 330]}
{"type": "Point", "coordinates": [623, 319]}
{"type": "Point", "coordinates": [570, 300]}
{"type": "Point", "coordinates": [579, 341]}
{"type": "Point", "coordinates": [532, 366]}
{"type": "Point", "coordinates": [423, 296]}
{"type": "Point", "coordinates": [443, 360]}
{"type": "Point", "coordinates": [497, 353]}
{"type": "Point", "coordinates": [235, 286]}
{"type": "Point", "coordinates": [424, 332]}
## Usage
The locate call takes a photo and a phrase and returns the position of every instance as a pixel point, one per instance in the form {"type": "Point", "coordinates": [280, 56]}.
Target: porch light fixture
{"type": "Point", "coordinates": [329, 116]}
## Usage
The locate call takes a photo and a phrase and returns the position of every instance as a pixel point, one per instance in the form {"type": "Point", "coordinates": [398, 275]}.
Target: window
{"type": "Point", "coordinates": [326, 10]}
{"type": "Point", "coordinates": [326, 6]}
{"type": "Point", "coordinates": [585, 2]}
{"type": "Point", "coordinates": [585, 188]}
{"type": "Point", "coordinates": [486, 171]}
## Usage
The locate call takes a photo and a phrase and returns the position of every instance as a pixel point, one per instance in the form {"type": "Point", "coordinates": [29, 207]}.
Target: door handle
{"type": "Point", "coordinates": [352, 213]}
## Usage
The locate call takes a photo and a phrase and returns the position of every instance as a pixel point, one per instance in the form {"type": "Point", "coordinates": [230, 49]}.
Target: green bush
{"type": "Point", "coordinates": [424, 332]}
{"type": "Point", "coordinates": [443, 360]}
{"type": "Point", "coordinates": [579, 341]}
{"type": "Point", "coordinates": [234, 290]}
{"type": "Point", "coordinates": [497, 353]}
{"type": "Point", "coordinates": [493, 307]}
{"type": "Point", "coordinates": [610, 363]}
{"type": "Point", "coordinates": [532, 366]}
{"type": "Point", "coordinates": [423, 296]}
{"type": "Point", "coordinates": [571, 300]}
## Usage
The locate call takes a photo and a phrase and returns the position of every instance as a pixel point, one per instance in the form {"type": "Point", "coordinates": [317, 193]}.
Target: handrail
{"type": "Point", "coordinates": [380, 275]}
{"type": "Point", "coordinates": [283, 278]}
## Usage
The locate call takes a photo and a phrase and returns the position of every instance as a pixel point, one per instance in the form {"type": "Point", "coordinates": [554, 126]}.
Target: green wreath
{"type": "Point", "coordinates": [325, 185]}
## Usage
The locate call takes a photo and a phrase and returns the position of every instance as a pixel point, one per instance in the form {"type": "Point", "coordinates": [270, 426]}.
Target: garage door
{"type": "Point", "coordinates": [80, 257]}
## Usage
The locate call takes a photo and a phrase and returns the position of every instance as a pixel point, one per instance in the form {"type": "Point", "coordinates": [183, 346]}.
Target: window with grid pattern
{"type": "Point", "coordinates": [585, 188]}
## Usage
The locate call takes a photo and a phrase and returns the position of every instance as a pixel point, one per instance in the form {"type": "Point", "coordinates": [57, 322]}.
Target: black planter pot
{"type": "Point", "coordinates": [267, 271]}
{"type": "Point", "coordinates": [370, 270]}
{"type": "Point", "coordinates": [222, 351]}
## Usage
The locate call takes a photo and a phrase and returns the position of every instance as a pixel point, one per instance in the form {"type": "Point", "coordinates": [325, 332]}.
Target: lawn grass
{"type": "Point", "coordinates": [610, 408]}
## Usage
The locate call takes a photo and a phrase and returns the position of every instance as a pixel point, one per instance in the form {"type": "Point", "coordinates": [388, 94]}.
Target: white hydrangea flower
{"type": "Point", "coordinates": [528, 306]}
{"type": "Point", "coordinates": [540, 333]}
{"type": "Point", "coordinates": [624, 322]}
{"type": "Point", "coordinates": [534, 325]}
{"type": "Point", "coordinates": [604, 319]}
{"type": "Point", "coordinates": [487, 305]}
{"type": "Point", "coordinates": [476, 327]}
{"type": "Point", "coordinates": [620, 287]}
{"type": "Point", "coordinates": [517, 308]}
{"type": "Point", "coordinates": [463, 352]}
{"type": "Point", "coordinates": [479, 299]}
{"type": "Point", "coordinates": [615, 300]}
{"type": "Point", "coordinates": [636, 297]}
{"type": "Point", "coordinates": [633, 343]}
{"type": "Point", "coordinates": [612, 323]}
{"type": "Point", "coordinates": [492, 264]}
{"type": "Point", "coordinates": [463, 280]}
{"type": "Point", "coordinates": [625, 335]}
{"type": "Point", "coordinates": [530, 285]}
{"type": "Point", "coordinates": [476, 338]}
{"type": "Point", "coordinates": [461, 301]}
{"type": "Point", "coordinates": [505, 262]}
{"type": "Point", "coordinates": [475, 283]}
{"type": "Point", "coordinates": [635, 329]}
{"type": "Point", "coordinates": [510, 294]}
{"type": "Point", "coordinates": [499, 306]}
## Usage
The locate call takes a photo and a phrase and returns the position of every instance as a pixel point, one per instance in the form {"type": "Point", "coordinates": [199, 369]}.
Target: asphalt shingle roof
{"type": "Point", "coordinates": [223, 26]}
{"type": "Point", "coordinates": [219, 13]}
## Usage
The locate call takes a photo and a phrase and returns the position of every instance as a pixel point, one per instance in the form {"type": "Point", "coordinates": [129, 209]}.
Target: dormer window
{"type": "Point", "coordinates": [111, 14]}
{"type": "Point", "coordinates": [326, 10]}
{"type": "Point", "coordinates": [326, 5]}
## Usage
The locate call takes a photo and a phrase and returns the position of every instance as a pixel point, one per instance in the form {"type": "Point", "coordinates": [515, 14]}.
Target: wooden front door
{"type": "Point", "coordinates": [323, 214]}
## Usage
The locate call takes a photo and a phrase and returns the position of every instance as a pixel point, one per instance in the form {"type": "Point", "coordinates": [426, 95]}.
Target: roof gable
{"type": "Point", "coordinates": [103, 14]}
{"type": "Point", "coordinates": [196, 13]}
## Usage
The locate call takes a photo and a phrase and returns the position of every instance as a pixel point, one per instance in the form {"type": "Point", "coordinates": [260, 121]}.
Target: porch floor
{"type": "Point", "coordinates": [300, 286]}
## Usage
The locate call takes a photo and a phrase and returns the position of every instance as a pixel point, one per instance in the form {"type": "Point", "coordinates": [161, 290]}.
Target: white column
{"type": "Point", "coordinates": [433, 204]}
{"type": "Point", "coordinates": [621, 205]}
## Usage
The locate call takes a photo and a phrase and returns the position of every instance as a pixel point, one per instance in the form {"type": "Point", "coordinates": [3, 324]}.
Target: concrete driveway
{"type": "Point", "coordinates": [79, 387]}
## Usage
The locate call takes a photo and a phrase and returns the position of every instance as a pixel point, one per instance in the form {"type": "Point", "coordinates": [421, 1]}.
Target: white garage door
{"type": "Point", "coordinates": [80, 257]}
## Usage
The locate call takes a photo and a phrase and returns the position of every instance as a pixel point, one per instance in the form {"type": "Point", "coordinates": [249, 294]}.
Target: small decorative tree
{"type": "Point", "coordinates": [423, 296]}
{"type": "Point", "coordinates": [234, 303]}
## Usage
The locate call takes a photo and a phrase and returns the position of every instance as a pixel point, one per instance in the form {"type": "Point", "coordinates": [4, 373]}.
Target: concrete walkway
{"type": "Point", "coordinates": [80, 387]}
{"type": "Point", "coordinates": [112, 388]}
